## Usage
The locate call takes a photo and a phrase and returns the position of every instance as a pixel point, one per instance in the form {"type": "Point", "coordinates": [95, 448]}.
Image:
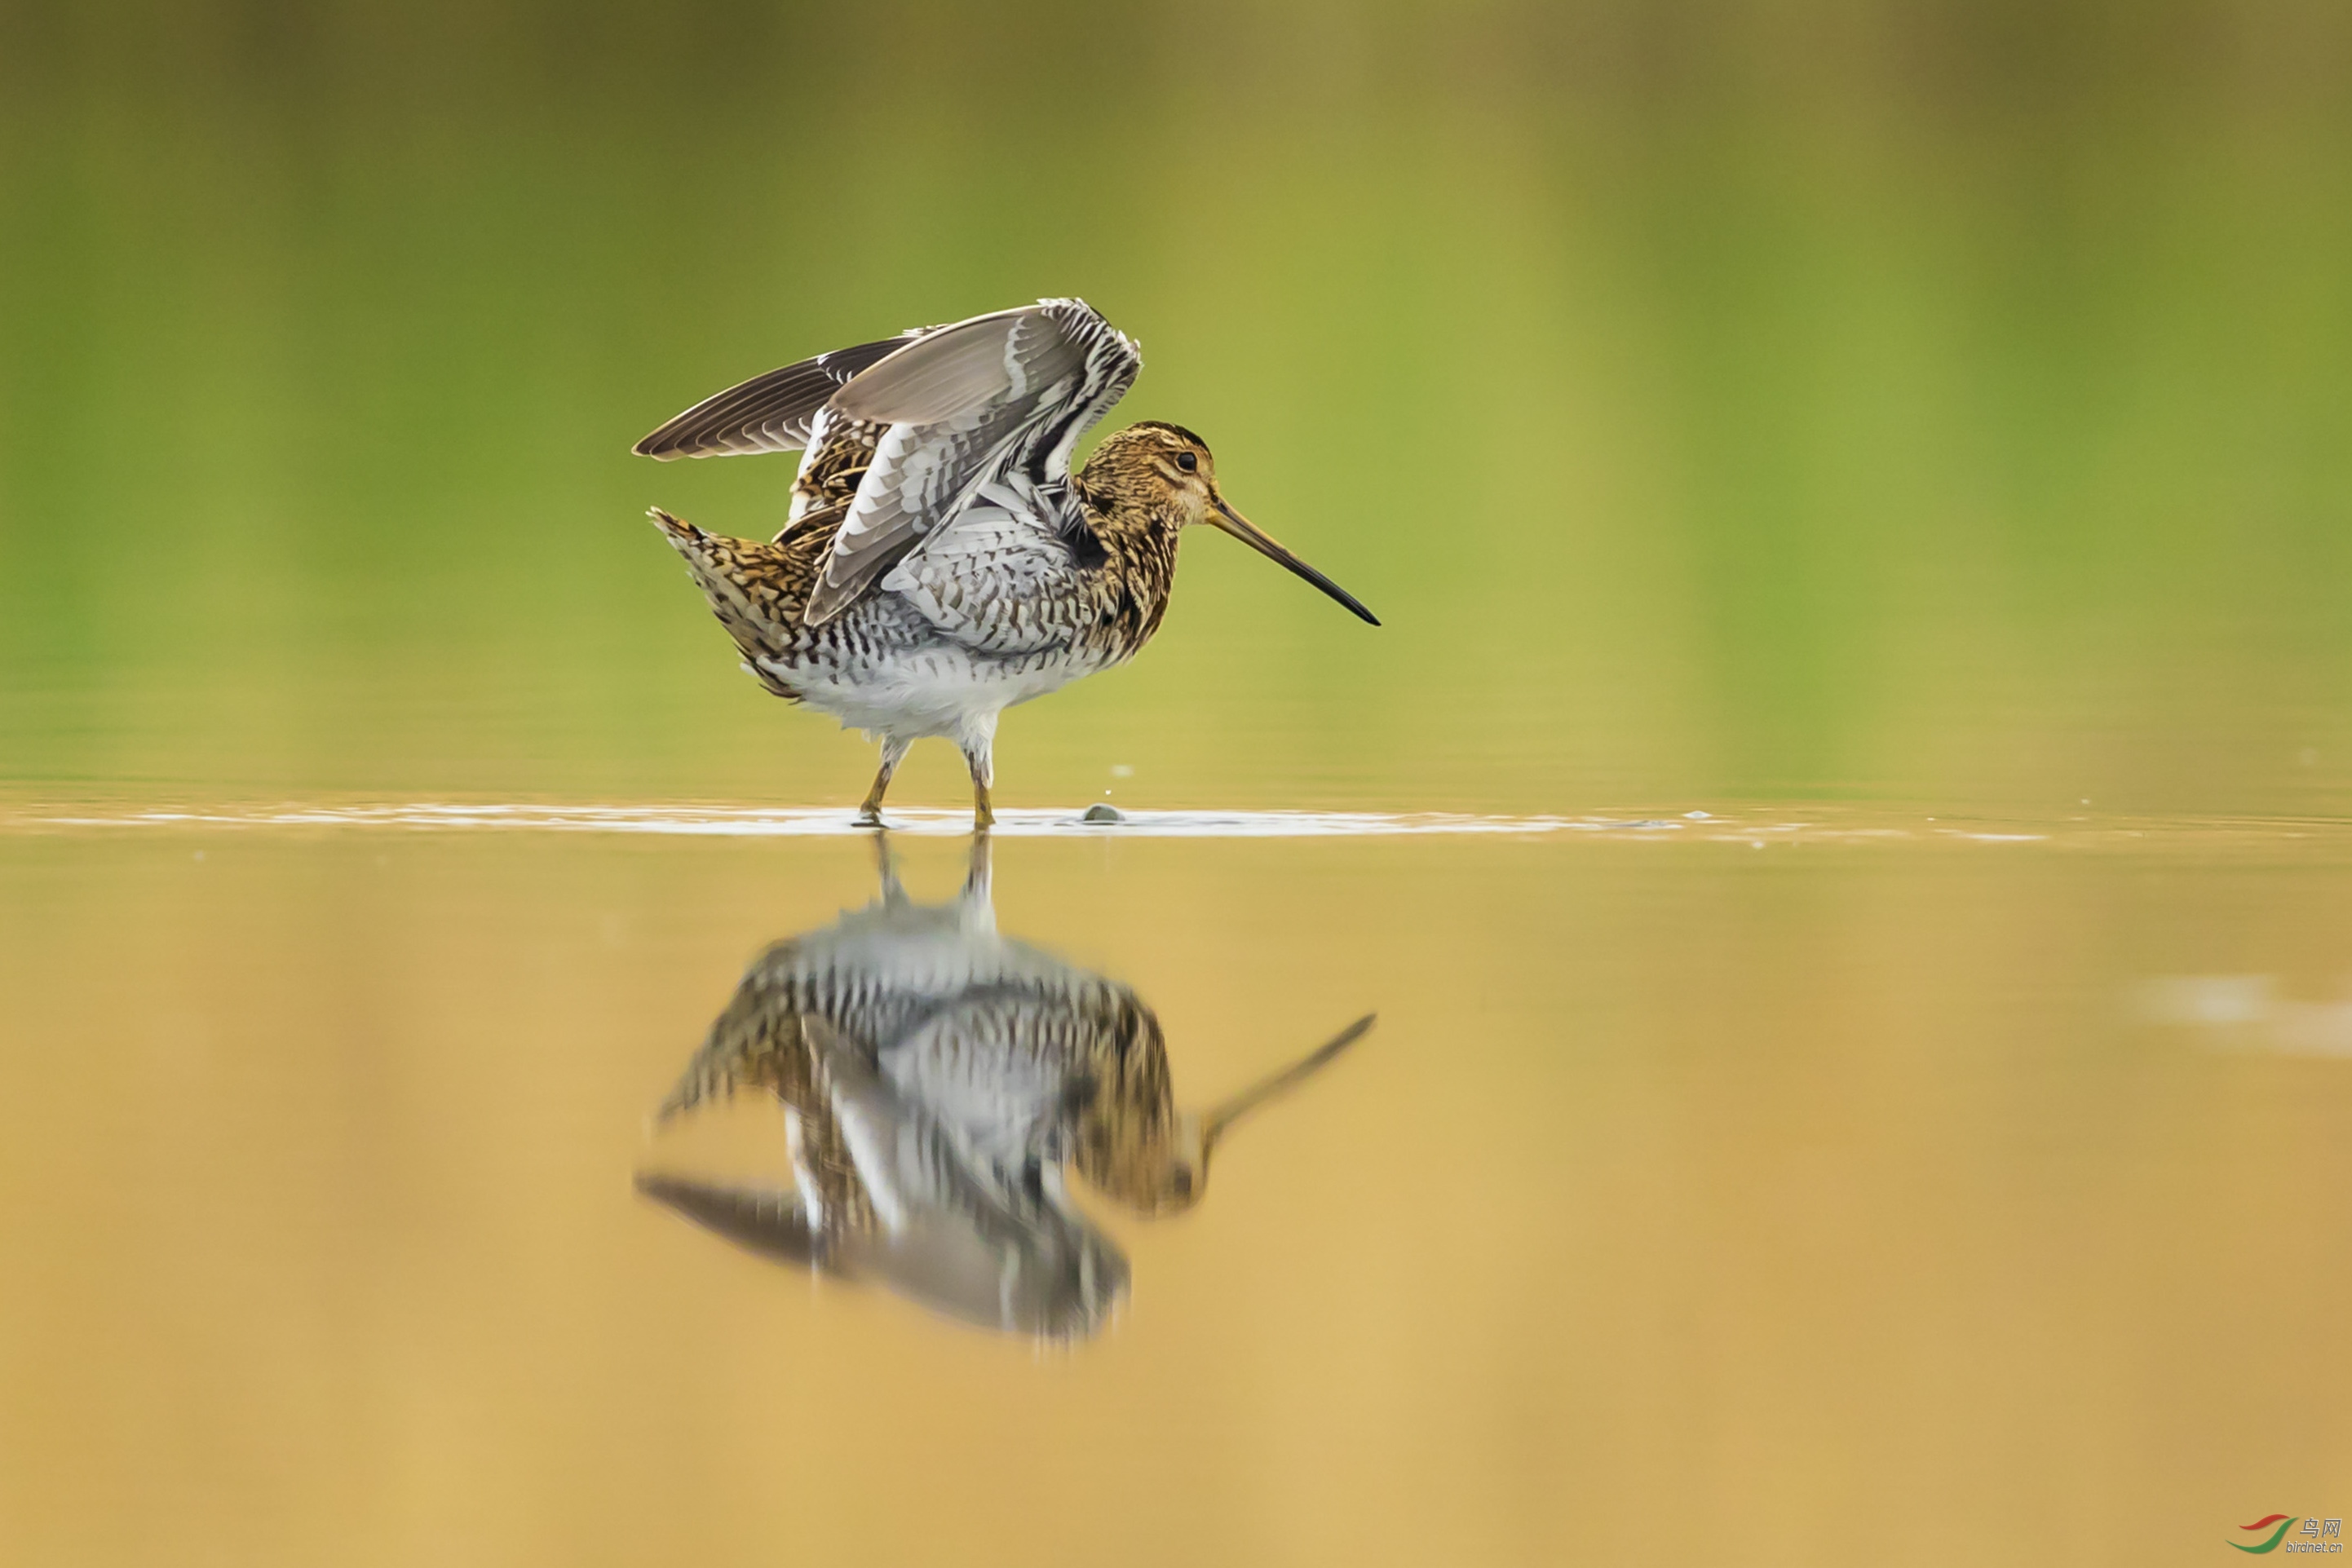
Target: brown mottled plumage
{"type": "Point", "coordinates": [936, 1078]}
{"type": "Point", "coordinates": [828, 481]}
{"type": "Point", "coordinates": [940, 562]}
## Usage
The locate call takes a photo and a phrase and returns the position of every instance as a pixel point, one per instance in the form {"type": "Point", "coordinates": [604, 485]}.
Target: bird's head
{"type": "Point", "coordinates": [1151, 1167]}
{"type": "Point", "coordinates": [1155, 474]}
{"type": "Point", "coordinates": [1159, 1166]}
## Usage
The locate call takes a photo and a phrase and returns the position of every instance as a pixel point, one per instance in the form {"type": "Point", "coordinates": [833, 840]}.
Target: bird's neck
{"type": "Point", "coordinates": [1137, 570]}
{"type": "Point", "coordinates": [1121, 1136]}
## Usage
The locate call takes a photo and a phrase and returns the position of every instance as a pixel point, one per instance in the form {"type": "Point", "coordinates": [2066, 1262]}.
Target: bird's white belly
{"type": "Point", "coordinates": [938, 689]}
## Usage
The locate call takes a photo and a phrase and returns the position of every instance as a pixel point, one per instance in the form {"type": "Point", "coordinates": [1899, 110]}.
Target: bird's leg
{"type": "Point", "coordinates": [977, 879]}
{"type": "Point", "coordinates": [979, 756]}
{"type": "Point", "coordinates": [893, 751]}
{"type": "Point", "coordinates": [886, 867]}
{"type": "Point", "coordinates": [976, 909]}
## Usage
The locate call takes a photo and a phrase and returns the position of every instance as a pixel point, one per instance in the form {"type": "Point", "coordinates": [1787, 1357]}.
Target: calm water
{"type": "Point", "coordinates": [1846, 830]}
{"type": "Point", "coordinates": [1723, 1187]}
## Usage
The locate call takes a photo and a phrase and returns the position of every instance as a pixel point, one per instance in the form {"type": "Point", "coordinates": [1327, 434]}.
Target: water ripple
{"type": "Point", "coordinates": [1762, 827]}
{"type": "Point", "coordinates": [722, 821]}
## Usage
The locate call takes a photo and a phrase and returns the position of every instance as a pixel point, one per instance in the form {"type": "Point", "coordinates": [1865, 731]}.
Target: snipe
{"type": "Point", "coordinates": [940, 562]}
{"type": "Point", "coordinates": [940, 1084]}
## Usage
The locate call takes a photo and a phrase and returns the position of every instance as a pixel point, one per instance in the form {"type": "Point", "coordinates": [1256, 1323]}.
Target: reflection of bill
{"type": "Point", "coordinates": [938, 1079]}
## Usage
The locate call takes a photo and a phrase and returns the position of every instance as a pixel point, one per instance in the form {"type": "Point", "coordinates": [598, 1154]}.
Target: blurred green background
{"type": "Point", "coordinates": [1825, 399]}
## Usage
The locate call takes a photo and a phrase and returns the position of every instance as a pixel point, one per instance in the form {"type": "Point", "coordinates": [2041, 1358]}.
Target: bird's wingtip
{"type": "Point", "coordinates": [825, 602]}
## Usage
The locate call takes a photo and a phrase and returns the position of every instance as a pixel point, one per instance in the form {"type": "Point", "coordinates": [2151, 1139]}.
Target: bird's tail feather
{"type": "Point", "coordinates": [752, 588]}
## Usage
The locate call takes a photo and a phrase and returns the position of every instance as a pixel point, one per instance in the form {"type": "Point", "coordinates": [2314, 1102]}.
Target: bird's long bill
{"type": "Point", "coordinates": [1242, 528]}
{"type": "Point", "coordinates": [1222, 1116]}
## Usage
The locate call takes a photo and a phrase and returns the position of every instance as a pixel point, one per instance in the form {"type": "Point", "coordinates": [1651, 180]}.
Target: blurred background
{"type": "Point", "coordinates": [1815, 399]}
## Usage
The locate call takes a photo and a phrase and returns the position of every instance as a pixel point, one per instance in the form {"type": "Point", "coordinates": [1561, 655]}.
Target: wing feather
{"type": "Point", "coordinates": [770, 413]}
{"type": "Point", "coordinates": [1001, 394]}
{"type": "Point", "coordinates": [958, 370]}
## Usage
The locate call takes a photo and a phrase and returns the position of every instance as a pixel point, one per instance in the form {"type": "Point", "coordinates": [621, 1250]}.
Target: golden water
{"type": "Point", "coordinates": [1790, 1194]}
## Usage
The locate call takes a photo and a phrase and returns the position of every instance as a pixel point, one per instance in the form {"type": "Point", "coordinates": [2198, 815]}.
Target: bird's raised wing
{"type": "Point", "coordinates": [767, 414]}
{"type": "Point", "coordinates": [991, 1244]}
{"type": "Point", "coordinates": [994, 1064]}
{"type": "Point", "coordinates": [763, 1220]}
{"type": "Point", "coordinates": [998, 394]}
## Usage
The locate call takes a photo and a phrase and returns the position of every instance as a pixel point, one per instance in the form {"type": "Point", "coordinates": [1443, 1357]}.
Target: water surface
{"type": "Point", "coordinates": [1742, 1188]}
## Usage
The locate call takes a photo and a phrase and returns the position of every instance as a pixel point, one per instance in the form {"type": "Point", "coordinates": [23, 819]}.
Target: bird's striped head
{"type": "Point", "coordinates": [1159, 477]}
{"type": "Point", "coordinates": [1156, 1162]}
{"type": "Point", "coordinates": [1153, 471]}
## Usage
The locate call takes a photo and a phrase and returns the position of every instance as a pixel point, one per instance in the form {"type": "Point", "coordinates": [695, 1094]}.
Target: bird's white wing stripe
{"type": "Point", "coordinates": [1016, 373]}
{"type": "Point", "coordinates": [959, 421]}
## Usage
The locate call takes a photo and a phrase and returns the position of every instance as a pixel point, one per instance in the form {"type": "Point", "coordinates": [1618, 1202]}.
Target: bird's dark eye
{"type": "Point", "coordinates": [1187, 462]}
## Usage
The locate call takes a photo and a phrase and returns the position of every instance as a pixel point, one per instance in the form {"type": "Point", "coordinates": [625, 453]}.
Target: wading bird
{"type": "Point", "coordinates": [938, 561]}
{"type": "Point", "coordinates": [936, 1079]}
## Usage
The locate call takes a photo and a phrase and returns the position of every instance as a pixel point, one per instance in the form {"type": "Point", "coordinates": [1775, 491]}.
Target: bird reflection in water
{"type": "Point", "coordinates": [939, 1080]}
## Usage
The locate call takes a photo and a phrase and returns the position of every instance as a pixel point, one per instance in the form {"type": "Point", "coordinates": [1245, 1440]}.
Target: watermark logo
{"type": "Point", "coordinates": [2323, 1534]}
